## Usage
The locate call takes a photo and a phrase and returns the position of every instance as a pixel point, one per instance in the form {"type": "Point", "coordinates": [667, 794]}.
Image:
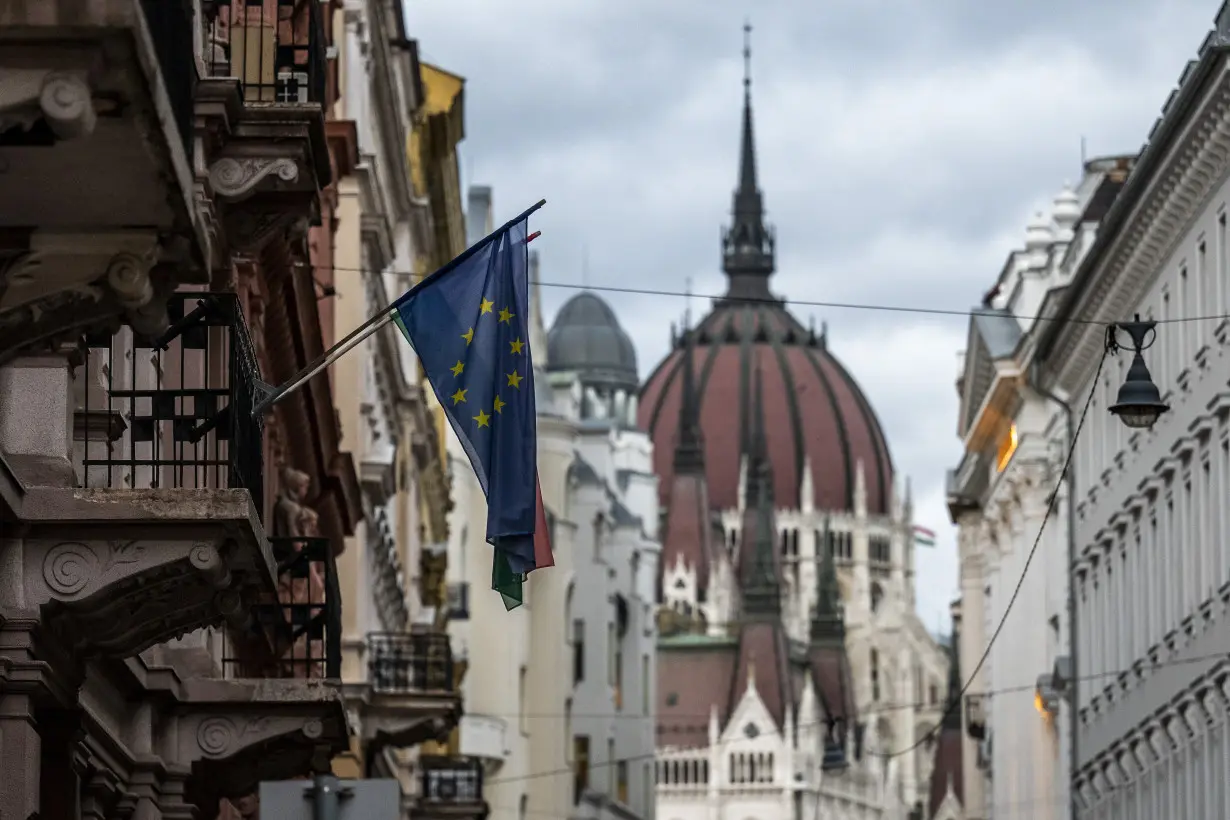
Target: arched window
{"type": "Point", "coordinates": [875, 675]}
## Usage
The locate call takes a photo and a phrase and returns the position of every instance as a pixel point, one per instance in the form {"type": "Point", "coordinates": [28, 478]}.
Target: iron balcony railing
{"type": "Point", "coordinates": [170, 25]}
{"type": "Point", "coordinates": [173, 412]}
{"type": "Point", "coordinates": [451, 780]}
{"type": "Point", "coordinates": [406, 662]}
{"type": "Point", "coordinates": [275, 48]}
{"type": "Point", "coordinates": [298, 634]}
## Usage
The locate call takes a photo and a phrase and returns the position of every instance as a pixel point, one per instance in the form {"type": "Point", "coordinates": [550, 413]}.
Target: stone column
{"type": "Point", "coordinates": [36, 418]}
{"type": "Point", "coordinates": [20, 758]}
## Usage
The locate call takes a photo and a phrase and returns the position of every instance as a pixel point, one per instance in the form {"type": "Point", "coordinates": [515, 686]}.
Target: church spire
{"type": "Point", "coordinates": [689, 449]}
{"type": "Point", "coordinates": [828, 626]}
{"type": "Point", "coordinates": [747, 245]}
{"type": "Point", "coordinates": [762, 596]}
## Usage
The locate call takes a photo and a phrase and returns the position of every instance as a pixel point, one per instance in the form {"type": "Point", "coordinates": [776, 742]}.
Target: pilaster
{"type": "Point", "coordinates": [20, 758]}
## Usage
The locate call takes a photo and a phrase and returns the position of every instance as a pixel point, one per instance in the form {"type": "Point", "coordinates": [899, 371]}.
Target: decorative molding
{"type": "Point", "coordinates": [235, 178]}
{"type": "Point", "coordinates": [61, 99]}
{"type": "Point", "coordinates": [224, 736]}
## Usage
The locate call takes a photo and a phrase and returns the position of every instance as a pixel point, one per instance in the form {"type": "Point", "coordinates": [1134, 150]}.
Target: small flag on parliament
{"type": "Point", "coordinates": [469, 325]}
{"type": "Point", "coordinates": [924, 537]}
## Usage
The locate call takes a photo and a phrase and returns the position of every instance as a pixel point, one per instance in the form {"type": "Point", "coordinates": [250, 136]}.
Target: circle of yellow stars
{"type": "Point", "coordinates": [516, 347]}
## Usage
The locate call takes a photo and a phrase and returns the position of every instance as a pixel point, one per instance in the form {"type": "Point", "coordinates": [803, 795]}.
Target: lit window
{"type": "Point", "coordinates": [1006, 449]}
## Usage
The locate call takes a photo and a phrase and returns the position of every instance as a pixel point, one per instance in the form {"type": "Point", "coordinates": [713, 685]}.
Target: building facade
{"type": "Point", "coordinates": [1151, 564]}
{"type": "Point", "coordinates": [612, 504]}
{"type": "Point", "coordinates": [1015, 750]}
{"type": "Point", "coordinates": [171, 614]}
{"type": "Point", "coordinates": [786, 598]}
{"type": "Point", "coordinates": [399, 677]}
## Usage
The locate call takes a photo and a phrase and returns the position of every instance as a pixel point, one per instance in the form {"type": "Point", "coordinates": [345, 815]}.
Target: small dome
{"type": "Point", "coordinates": [1038, 233]}
{"type": "Point", "coordinates": [586, 337]}
{"type": "Point", "coordinates": [1067, 207]}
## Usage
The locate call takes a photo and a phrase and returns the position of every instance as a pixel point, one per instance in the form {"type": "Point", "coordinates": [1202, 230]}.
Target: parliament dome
{"type": "Point", "coordinates": [814, 411]}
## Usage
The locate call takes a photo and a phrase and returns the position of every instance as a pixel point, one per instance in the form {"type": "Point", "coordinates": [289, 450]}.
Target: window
{"type": "Point", "coordinates": [524, 807]}
{"type": "Point", "coordinates": [875, 675]}
{"type": "Point", "coordinates": [578, 651]}
{"type": "Point", "coordinates": [580, 767]}
{"type": "Point", "coordinates": [877, 595]}
{"type": "Point", "coordinates": [610, 765]}
{"type": "Point", "coordinates": [621, 782]}
{"type": "Point", "coordinates": [647, 785]}
{"type": "Point", "coordinates": [568, 728]}
{"type": "Point", "coordinates": [619, 677]}
{"type": "Point", "coordinates": [611, 643]}
{"type": "Point", "coordinates": [933, 694]}
{"type": "Point", "coordinates": [1006, 448]}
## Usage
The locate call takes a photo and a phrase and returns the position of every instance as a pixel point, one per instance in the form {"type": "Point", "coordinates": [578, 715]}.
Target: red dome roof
{"type": "Point", "coordinates": [812, 409]}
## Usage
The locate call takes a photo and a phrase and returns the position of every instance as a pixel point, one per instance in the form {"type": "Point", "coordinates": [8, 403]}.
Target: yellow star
{"type": "Point", "coordinates": [505, 316]}
{"type": "Point", "coordinates": [457, 368]}
{"type": "Point", "coordinates": [514, 380]}
{"type": "Point", "coordinates": [517, 345]}
{"type": "Point", "coordinates": [468, 336]}
{"type": "Point", "coordinates": [486, 306]}
{"type": "Point", "coordinates": [499, 404]}
{"type": "Point", "coordinates": [458, 397]}
{"type": "Point", "coordinates": [483, 419]}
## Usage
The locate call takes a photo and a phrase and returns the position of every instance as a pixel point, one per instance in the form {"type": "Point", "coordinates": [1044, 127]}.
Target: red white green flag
{"type": "Point", "coordinates": [924, 537]}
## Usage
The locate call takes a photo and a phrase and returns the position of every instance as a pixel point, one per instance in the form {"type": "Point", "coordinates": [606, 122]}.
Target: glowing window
{"type": "Point", "coordinates": [1006, 448]}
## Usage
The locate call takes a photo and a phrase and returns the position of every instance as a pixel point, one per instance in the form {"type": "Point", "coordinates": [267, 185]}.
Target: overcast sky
{"type": "Point", "coordinates": [902, 147]}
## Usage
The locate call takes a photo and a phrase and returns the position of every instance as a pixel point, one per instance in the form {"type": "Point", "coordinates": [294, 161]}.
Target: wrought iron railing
{"type": "Point", "coordinates": [406, 662]}
{"type": "Point", "coordinates": [275, 48]}
{"type": "Point", "coordinates": [298, 634]}
{"type": "Point", "coordinates": [451, 780]}
{"type": "Point", "coordinates": [173, 412]}
{"type": "Point", "coordinates": [170, 27]}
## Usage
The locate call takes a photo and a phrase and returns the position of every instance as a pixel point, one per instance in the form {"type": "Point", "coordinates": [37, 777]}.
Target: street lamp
{"type": "Point", "coordinates": [1139, 405]}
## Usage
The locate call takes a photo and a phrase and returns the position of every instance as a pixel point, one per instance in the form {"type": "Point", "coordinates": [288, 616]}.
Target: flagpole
{"type": "Point", "coordinates": [268, 395]}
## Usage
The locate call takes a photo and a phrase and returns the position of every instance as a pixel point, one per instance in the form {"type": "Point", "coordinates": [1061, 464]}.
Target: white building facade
{"type": "Point", "coordinates": [1152, 535]}
{"type": "Point", "coordinates": [1014, 749]}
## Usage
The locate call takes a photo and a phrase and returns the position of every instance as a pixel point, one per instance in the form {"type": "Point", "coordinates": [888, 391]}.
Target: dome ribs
{"type": "Point", "coordinates": [842, 435]}
{"type": "Point", "coordinates": [796, 417]}
{"type": "Point", "coordinates": [879, 501]}
{"type": "Point", "coordinates": [745, 381]}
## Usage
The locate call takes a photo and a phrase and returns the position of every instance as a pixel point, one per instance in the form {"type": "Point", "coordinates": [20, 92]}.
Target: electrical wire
{"type": "Point", "coordinates": [897, 707]}
{"type": "Point", "coordinates": [955, 702]}
{"type": "Point", "coordinates": [783, 302]}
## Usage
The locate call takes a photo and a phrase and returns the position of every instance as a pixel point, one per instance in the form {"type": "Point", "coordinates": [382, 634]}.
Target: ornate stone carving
{"type": "Point", "coordinates": [233, 178]}
{"type": "Point", "coordinates": [289, 511]}
{"type": "Point", "coordinates": [68, 568]}
{"type": "Point", "coordinates": [128, 276]}
{"type": "Point", "coordinates": [62, 99]}
{"type": "Point", "coordinates": [223, 736]}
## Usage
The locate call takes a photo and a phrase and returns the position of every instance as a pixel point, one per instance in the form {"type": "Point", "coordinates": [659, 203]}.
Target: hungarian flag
{"type": "Point", "coordinates": [924, 537]}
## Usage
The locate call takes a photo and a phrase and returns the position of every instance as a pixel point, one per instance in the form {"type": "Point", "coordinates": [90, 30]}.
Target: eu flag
{"type": "Point", "coordinates": [469, 325]}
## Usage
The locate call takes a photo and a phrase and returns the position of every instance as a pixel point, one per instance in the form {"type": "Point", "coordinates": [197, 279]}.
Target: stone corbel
{"type": "Point", "coordinates": [223, 736]}
{"type": "Point", "coordinates": [235, 179]}
{"type": "Point", "coordinates": [61, 99]}
{"type": "Point", "coordinates": [122, 596]}
{"type": "Point", "coordinates": [1142, 753]}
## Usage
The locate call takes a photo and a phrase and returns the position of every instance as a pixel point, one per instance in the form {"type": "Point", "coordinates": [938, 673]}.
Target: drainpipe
{"type": "Point", "coordinates": [1033, 379]}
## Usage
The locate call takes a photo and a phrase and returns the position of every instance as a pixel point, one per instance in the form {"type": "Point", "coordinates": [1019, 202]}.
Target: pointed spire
{"type": "Point", "coordinates": [689, 449]}
{"type": "Point", "coordinates": [762, 597]}
{"type": "Point", "coordinates": [747, 246]}
{"type": "Point", "coordinates": [828, 627]}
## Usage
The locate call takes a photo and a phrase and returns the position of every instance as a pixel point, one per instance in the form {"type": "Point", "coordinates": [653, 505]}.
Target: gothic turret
{"type": "Point", "coordinates": [759, 571]}
{"type": "Point", "coordinates": [689, 451]}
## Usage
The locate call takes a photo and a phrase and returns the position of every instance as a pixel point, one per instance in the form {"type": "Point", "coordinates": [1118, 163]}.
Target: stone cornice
{"type": "Point", "coordinates": [1133, 252]}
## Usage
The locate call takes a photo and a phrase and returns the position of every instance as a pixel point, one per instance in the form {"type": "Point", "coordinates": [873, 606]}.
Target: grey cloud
{"type": "Point", "coordinates": [902, 147]}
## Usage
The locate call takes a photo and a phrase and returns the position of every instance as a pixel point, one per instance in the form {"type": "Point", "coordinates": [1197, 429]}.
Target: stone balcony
{"type": "Point", "coordinates": [260, 116]}
{"type": "Point", "coordinates": [96, 192]}
{"type": "Point", "coordinates": [410, 694]}
{"type": "Point", "coordinates": [137, 515]}
{"type": "Point", "coordinates": [451, 787]}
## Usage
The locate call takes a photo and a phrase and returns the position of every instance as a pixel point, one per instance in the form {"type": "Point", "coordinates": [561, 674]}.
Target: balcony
{"type": "Point", "coordinates": [451, 787]}
{"type": "Point", "coordinates": [162, 535]}
{"type": "Point", "coordinates": [96, 203]}
{"type": "Point", "coordinates": [262, 107]}
{"type": "Point", "coordinates": [278, 710]}
{"type": "Point", "coordinates": [410, 694]}
{"type": "Point", "coordinates": [976, 716]}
